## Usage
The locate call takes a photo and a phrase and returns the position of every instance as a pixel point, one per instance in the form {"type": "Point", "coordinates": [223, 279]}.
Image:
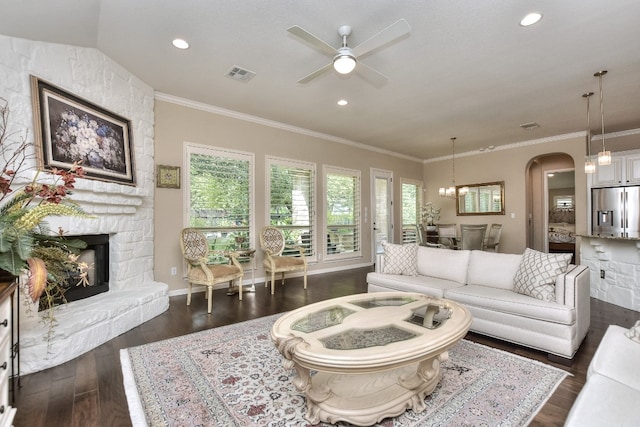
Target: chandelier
{"type": "Point", "coordinates": [604, 157]}
{"type": "Point", "coordinates": [589, 165]}
{"type": "Point", "coordinates": [451, 191]}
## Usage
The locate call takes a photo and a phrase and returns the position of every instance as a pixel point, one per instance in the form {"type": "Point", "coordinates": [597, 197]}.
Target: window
{"type": "Point", "coordinates": [342, 213]}
{"type": "Point", "coordinates": [411, 202]}
{"type": "Point", "coordinates": [291, 203]}
{"type": "Point", "coordinates": [219, 195]}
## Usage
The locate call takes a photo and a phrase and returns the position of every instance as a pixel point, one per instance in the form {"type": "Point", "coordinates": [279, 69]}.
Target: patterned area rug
{"type": "Point", "coordinates": [233, 376]}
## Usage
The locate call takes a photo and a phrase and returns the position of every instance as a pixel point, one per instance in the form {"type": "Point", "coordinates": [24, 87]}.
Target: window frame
{"type": "Point", "coordinates": [299, 164]}
{"type": "Point", "coordinates": [208, 150]}
{"type": "Point", "coordinates": [354, 173]}
{"type": "Point", "coordinates": [418, 201]}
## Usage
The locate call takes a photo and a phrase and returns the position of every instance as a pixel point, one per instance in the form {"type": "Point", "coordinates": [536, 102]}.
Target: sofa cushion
{"type": "Point", "coordinates": [400, 259]}
{"type": "Point", "coordinates": [421, 284]}
{"type": "Point", "coordinates": [493, 269]}
{"type": "Point", "coordinates": [504, 301]}
{"type": "Point", "coordinates": [617, 358]}
{"type": "Point", "coordinates": [536, 275]}
{"type": "Point", "coordinates": [445, 264]}
{"type": "Point", "coordinates": [604, 402]}
{"type": "Point", "coordinates": [634, 332]}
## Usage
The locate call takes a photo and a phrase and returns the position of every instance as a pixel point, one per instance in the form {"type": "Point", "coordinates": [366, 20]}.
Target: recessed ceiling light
{"type": "Point", "coordinates": [180, 44]}
{"type": "Point", "coordinates": [343, 102]}
{"type": "Point", "coordinates": [531, 19]}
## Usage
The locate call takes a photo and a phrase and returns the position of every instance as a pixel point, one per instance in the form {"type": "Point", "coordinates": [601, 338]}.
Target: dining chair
{"type": "Point", "coordinates": [195, 250]}
{"type": "Point", "coordinates": [493, 238]}
{"type": "Point", "coordinates": [273, 243]}
{"type": "Point", "coordinates": [472, 236]}
{"type": "Point", "coordinates": [448, 235]}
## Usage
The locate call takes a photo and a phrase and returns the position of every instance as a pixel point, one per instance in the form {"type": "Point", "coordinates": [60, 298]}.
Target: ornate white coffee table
{"type": "Point", "coordinates": [374, 355]}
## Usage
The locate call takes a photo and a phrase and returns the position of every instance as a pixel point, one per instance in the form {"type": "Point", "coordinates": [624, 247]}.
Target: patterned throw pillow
{"type": "Point", "coordinates": [400, 259]}
{"type": "Point", "coordinates": [537, 274]}
{"type": "Point", "coordinates": [634, 332]}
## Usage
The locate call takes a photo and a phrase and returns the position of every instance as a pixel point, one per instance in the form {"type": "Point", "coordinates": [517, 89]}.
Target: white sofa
{"type": "Point", "coordinates": [611, 394]}
{"type": "Point", "coordinates": [484, 282]}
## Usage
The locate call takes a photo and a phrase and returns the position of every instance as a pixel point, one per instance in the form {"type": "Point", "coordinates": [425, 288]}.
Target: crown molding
{"type": "Point", "coordinates": [275, 124]}
{"type": "Point", "coordinates": [512, 146]}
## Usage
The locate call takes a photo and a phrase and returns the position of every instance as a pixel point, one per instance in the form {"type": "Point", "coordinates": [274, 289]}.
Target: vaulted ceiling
{"type": "Point", "coordinates": [467, 68]}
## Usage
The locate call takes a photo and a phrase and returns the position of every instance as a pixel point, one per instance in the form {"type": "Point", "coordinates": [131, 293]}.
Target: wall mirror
{"type": "Point", "coordinates": [480, 199]}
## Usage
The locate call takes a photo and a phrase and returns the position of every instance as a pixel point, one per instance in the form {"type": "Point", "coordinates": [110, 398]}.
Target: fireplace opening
{"type": "Point", "coordinates": [96, 255]}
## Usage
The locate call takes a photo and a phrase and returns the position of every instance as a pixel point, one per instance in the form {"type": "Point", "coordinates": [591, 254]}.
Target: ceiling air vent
{"type": "Point", "coordinates": [241, 74]}
{"type": "Point", "coordinates": [529, 126]}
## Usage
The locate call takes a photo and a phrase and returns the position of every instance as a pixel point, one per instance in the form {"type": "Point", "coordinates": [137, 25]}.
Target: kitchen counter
{"type": "Point", "coordinates": [597, 236]}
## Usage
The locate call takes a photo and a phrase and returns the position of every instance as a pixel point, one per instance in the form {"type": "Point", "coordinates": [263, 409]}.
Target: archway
{"type": "Point", "coordinates": [538, 201]}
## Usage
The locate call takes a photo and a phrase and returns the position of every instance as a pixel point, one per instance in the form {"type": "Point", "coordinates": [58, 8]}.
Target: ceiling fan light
{"type": "Point", "coordinates": [344, 63]}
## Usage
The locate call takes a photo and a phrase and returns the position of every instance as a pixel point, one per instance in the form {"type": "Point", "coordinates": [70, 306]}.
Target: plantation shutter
{"type": "Point", "coordinates": [342, 214]}
{"type": "Point", "coordinates": [410, 211]}
{"type": "Point", "coordinates": [292, 202]}
{"type": "Point", "coordinates": [219, 195]}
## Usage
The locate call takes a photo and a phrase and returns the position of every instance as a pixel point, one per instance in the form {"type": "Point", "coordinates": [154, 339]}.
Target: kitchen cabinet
{"type": "Point", "coordinates": [623, 170]}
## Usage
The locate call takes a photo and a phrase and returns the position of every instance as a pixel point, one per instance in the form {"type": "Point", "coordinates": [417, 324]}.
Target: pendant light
{"type": "Point", "coordinates": [589, 165]}
{"type": "Point", "coordinates": [604, 157]}
{"type": "Point", "coordinates": [451, 191]}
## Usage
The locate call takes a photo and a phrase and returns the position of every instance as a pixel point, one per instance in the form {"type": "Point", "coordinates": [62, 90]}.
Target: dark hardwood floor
{"type": "Point", "coordinates": [88, 391]}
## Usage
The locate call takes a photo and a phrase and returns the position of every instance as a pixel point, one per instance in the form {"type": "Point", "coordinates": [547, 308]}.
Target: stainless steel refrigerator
{"type": "Point", "coordinates": [615, 211]}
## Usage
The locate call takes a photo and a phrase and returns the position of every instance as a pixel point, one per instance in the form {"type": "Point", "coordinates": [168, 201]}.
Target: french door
{"type": "Point", "coordinates": [381, 209]}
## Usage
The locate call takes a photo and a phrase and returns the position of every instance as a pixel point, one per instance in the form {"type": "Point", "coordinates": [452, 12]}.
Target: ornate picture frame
{"type": "Point", "coordinates": [69, 129]}
{"type": "Point", "coordinates": [168, 176]}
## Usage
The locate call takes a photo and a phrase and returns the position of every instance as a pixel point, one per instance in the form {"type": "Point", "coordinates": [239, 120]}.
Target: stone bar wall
{"type": "Point", "coordinates": [620, 261]}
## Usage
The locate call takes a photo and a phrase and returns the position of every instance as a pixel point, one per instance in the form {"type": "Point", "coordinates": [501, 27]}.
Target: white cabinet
{"type": "Point", "coordinates": [632, 169]}
{"type": "Point", "coordinates": [7, 413]}
{"type": "Point", "coordinates": [608, 175]}
{"type": "Point", "coordinates": [623, 170]}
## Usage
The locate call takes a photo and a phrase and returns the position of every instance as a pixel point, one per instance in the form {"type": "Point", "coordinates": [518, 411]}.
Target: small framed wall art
{"type": "Point", "coordinates": [168, 176]}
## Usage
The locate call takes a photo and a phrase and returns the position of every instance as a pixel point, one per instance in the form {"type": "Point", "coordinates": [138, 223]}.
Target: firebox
{"type": "Point", "coordinates": [95, 255]}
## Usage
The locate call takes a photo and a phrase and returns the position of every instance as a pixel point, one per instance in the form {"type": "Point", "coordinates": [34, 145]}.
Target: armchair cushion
{"type": "Point", "coordinates": [284, 262]}
{"type": "Point", "coordinates": [536, 275]}
{"type": "Point", "coordinates": [400, 259]}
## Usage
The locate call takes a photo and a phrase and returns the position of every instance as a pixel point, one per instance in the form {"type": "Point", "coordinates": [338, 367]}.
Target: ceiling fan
{"type": "Point", "coordinates": [346, 59]}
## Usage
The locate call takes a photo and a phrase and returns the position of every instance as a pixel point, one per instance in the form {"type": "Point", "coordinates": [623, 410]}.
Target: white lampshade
{"type": "Point", "coordinates": [604, 158]}
{"type": "Point", "coordinates": [344, 63]}
{"type": "Point", "coordinates": [442, 191]}
{"type": "Point", "coordinates": [463, 190]}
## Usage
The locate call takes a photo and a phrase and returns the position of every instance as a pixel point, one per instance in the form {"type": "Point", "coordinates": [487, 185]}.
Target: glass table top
{"type": "Point", "coordinates": [430, 315]}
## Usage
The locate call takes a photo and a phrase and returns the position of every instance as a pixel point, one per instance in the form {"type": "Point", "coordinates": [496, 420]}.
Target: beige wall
{"type": "Point", "coordinates": [511, 166]}
{"type": "Point", "coordinates": [176, 124]}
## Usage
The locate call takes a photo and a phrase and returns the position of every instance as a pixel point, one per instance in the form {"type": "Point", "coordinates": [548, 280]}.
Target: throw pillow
{"type": "Point", "coordinates": [536, 275]}
{"type": "Point", "coordinates": [634, 332]}
{"type": "Point", "coordinates": [400, 259]}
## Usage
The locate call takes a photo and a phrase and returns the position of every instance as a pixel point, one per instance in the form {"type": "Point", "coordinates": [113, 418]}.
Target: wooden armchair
{"type": "Point", "coordinates": [272, 242]}
{"type": "Point", "coordinates": [195, 250]}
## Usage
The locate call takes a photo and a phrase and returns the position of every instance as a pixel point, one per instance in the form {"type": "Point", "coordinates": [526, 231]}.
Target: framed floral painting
{"type": "Point", "coordinates": [69, 129]}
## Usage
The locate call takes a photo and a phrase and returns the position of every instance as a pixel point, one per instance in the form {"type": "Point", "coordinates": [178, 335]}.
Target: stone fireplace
{"type": "Point", "coordinates": [121, 215]}
{"type": "Point", "coordinates": [125, 213]}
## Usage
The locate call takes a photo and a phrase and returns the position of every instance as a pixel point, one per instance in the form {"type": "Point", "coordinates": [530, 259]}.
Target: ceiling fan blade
{"type": "Point", "coordinates": [318, 72]}
{"type": "Point", "coordinates": [372, 76]}
{"type": "Point", "coordinates": [389, 34]}
{"type": "Point", "coordinates": [314, 41]}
